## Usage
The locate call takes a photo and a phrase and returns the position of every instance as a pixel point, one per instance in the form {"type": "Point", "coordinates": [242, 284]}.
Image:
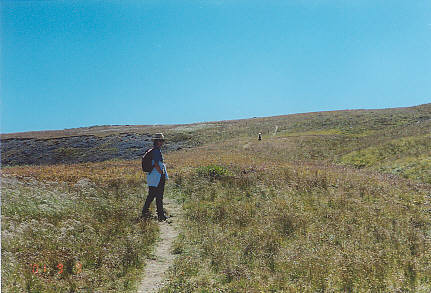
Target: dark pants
{"type": "Point", "coordinates": [156, 192]}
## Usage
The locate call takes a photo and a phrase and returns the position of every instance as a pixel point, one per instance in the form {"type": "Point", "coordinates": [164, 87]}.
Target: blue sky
{"type": "Point", "coordinates": [68, 64]}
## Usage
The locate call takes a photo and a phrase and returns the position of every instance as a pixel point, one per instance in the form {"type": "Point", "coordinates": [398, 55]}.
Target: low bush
{"type": "Point", "coordinates": [213, 172]}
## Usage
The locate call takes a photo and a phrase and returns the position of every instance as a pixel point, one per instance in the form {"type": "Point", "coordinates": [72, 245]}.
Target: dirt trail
{"type": "Point", "coordinates": [156, 267]}
{"type": "Point", "coordinates": [275, 131]}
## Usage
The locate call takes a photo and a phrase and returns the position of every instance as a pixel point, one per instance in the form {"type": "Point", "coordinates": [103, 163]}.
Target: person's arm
{"type": "Point", "coordinates": [156, 165]}
{"type": "Point", "coordinates": [157, 157]}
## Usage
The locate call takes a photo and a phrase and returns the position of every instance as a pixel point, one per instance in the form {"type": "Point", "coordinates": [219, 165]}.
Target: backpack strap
{"type": "Point", "coordinates": [149, 152]}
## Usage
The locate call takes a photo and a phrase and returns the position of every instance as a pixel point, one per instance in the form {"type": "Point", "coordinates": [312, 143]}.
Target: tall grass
{"type": "Point", "coordinates": [68, 233]}
{"type": "Point", "coordinates": [301, 229]}
{"type": "Point", "coordinates": [334, 201]}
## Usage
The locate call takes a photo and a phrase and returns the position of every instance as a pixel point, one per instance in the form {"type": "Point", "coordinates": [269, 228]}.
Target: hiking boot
{"type": "Point", "coordinates": [162, 218]}
{"type": "Point", "coordinates": [145, 216]}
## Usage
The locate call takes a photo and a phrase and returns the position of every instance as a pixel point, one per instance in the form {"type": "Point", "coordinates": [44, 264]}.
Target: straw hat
{"type": "Point", "coordinates": [158, 136]}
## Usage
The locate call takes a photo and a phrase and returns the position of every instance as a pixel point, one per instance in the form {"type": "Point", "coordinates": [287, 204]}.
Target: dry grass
{"type": "Point", "coordinates": [304, 228]}
{"type": "Point", "coordinates": [74, 215]}
{"type": "Point", "coordinates": [334, 202]}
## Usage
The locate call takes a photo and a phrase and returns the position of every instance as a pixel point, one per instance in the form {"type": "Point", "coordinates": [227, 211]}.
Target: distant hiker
{"type": "Point", "coordinates": [260, 136]}
{"type": "Point", "coordinates": [156, 179]}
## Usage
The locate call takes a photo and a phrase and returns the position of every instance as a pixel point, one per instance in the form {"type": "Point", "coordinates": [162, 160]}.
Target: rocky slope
{"type": "Point", "coordinates": [75, 149]}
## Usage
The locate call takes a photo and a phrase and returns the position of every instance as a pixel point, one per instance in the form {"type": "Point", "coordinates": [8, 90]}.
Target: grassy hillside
{"type": "Point", "coordinates": [326, 202]}
{"type": "Point", "coordinates": [256, 225]}
{"type": "Point", "coordinates": [319, 135]}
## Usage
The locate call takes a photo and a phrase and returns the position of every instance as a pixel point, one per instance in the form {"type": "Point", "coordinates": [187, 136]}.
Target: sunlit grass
{"type": "Point", "coordinates": [67, 236]}
{"type": "Point", "coordinates": [302, 228]}
{"type": "Point", "coordinates": [330, 202]}
{"type": "Point", "coordinates": [389, 151]}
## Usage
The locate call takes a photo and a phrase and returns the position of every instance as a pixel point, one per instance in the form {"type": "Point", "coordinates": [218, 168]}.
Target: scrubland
{"type": "Point", "coordinates": [73, 228]}
{"type": "Point", "coordinates": [326, 202]}
{"type": "Point", "coordinates": [281, 227]}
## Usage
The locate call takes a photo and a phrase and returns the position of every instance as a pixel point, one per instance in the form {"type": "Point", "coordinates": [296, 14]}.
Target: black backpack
{"type": "Point", "coordinates": [147, 165]}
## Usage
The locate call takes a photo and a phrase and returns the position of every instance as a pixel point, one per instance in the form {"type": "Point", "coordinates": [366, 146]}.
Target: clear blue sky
{"type": "Point", "coordinates": [72, 63]}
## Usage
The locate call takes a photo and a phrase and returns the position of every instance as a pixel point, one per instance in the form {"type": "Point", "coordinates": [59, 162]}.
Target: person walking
{"type": "Point", "coordinates": [156, 179]}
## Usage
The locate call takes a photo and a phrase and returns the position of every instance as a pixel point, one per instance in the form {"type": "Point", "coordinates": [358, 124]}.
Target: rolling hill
{"type": "Point", "coordinates": [336, 201]}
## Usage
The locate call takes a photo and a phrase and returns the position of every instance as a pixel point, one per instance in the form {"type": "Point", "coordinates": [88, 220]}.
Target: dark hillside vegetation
{"type": "Point", "coordinates": [340, 131]}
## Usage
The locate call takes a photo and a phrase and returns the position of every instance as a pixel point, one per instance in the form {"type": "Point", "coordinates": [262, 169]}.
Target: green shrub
{"type": "Point", "coordinates": [213, 172]}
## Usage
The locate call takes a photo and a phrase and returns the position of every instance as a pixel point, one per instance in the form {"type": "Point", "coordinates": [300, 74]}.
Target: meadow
{"type": "Point", "coordinates": [73, 228]}
{"type": "Point", "coordinates": [326, 202]}
{"type": "Point", "coordinates": [268, 226]}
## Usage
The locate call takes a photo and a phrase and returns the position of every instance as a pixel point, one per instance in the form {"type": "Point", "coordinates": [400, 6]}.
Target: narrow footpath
{"type": "Point", "coordinates": [156, 267]}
